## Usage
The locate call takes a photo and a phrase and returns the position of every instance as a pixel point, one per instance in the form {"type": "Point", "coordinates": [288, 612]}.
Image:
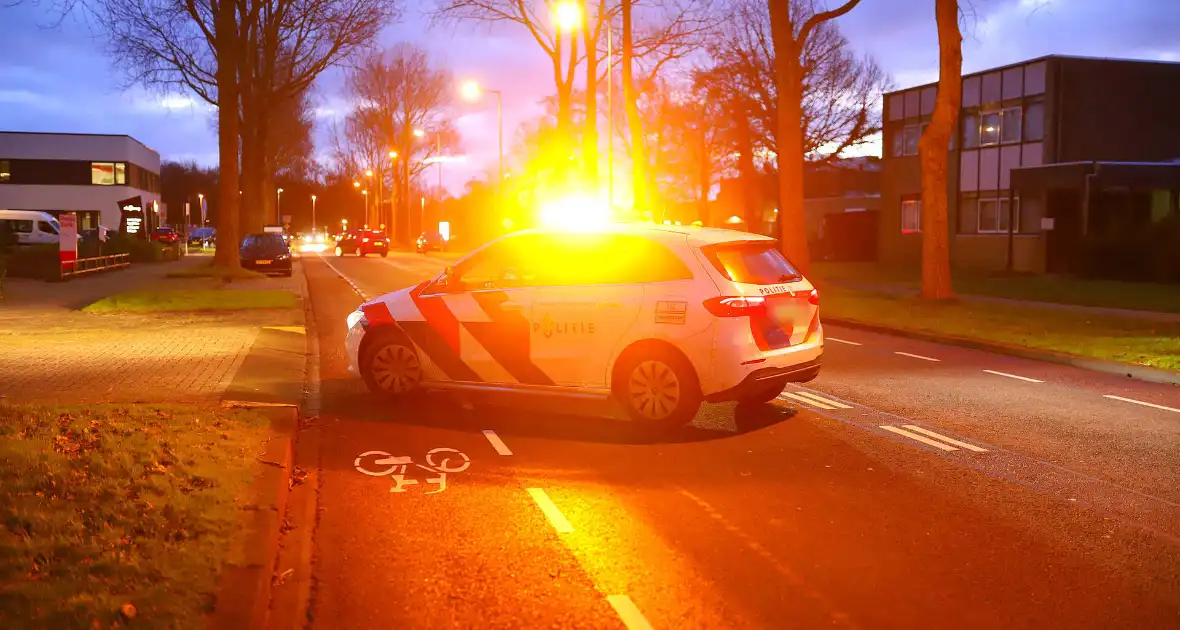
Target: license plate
{"type": "Point", "coordinates": [380, 244]}
{"type": "Point", "coordinates": [262, 262]}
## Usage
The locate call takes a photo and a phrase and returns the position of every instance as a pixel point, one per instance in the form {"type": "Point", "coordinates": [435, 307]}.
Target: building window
{"type": "Point", "coordinates": [1034, 122]}
{"type": "Point", "coordinates": [912, 134]}
{"type": "Point", "coordinates": [911, 215]}
{"type": "Point", "coordinates": [1010, 125]}
{"type": "Point", "coordinates": [989, 129]}
{"type": "Point", "coordinates": [5, 170]}
{"type": "Point", "coordinates": [970, 131]}
{"type": "Point", "coordinates": [102, 173]}
{"type": "Point", "coordinates": [993, 215]}
{"type": "Point", "coordinates": [120, 173]}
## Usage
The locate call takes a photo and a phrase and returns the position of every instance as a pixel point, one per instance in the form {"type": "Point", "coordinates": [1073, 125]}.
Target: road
{"type": "Point", "coordinates": [910, 485]}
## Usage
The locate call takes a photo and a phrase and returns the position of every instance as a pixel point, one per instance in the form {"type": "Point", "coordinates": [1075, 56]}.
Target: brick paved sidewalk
{"type": "Point", "coordinates": [50, 352]}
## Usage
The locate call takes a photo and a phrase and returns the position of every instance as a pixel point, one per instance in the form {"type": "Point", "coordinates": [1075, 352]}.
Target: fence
{"type": "Point", "coordinates": [97, 263]}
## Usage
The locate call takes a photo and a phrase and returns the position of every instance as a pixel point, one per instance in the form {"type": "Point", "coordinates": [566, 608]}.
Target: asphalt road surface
{"type": "Point", "coordinates": [912, 485]}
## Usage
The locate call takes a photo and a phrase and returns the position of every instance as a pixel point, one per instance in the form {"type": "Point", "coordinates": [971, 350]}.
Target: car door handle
{"type": "Point", "coordinates": [608, 304]}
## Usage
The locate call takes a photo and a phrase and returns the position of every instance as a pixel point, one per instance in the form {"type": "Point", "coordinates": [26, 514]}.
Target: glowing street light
{"type": "Point", "coordinates": [470, 91]}
{"type": "Point", "coordinates": [418, 133]}
{"type": "Point", "coordinates": [369, 172]}
{"type": "Point", "coordinates": [313, 214]}
{"type": "Point", "coordinates": [356, 184]}
{"type": "Point", "coordinates": [567, 15]}
{"type": "Point", "coordinates": [279, 206]}
{"type": "Point", "coordinates": [393, 155]}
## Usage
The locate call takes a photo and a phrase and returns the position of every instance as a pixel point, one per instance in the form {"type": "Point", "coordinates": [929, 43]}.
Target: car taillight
{"type": "Point", "coordinates": [386, 240]}
{"type": "Point", "coordinates": [365, 240]}
{"type": "Point", "coordinates": [814, 297]}
{"type": "Point", "coordinates": [739, 306]}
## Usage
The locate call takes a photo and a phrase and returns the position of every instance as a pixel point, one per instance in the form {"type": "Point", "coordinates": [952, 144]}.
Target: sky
{"type": "Point", "coordinates": [60, 79]}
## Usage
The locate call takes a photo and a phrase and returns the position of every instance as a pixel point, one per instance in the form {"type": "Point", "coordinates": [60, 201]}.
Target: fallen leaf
{"type": "Point", "coordinates": [128, 611]}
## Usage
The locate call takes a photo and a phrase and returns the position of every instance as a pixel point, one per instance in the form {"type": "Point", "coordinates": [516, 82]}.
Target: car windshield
{"type": "Point", "coordinates": [264, 243]}
{"type": "Point", "coordinates": [751, 262]}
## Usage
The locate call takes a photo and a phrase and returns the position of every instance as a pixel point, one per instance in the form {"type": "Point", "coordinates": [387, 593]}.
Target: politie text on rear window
{"type": "Point", "coordinates": [752, 262]}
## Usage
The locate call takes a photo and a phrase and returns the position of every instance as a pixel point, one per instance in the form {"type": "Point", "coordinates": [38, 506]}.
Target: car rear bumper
{"type": "Point", "coordinates": [277, 266]}
{"type": "Point", "coordinates": [759, 379]}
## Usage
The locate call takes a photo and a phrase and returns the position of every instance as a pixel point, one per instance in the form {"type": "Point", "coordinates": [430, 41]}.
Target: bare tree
{"type": "Point", "coordinates": [932, 151]}
{"type": "Point", "coordinates": [698, 144]}
{"type": "Point", "coordinates": [792, 26]}
{"type": "Point", "coordinates": [399, 92]}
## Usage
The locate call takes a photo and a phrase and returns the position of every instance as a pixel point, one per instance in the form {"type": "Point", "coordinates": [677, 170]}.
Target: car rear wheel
{"type": "Point", "coordinates": [384, 254]}
{"type": "Point", "coordinates": [764, 395]}
{"type": "Point", "coordinates": [390, 367]}
{"type": "Point", "coordinates": [658, 388]}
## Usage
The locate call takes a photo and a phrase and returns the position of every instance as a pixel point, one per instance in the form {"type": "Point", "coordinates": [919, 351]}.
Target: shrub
{"type": "Point", "coordinates": [33, 261]}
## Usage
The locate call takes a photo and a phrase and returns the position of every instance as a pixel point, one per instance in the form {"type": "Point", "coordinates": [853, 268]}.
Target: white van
{"type": "Point", "coordinates": [31, 227]}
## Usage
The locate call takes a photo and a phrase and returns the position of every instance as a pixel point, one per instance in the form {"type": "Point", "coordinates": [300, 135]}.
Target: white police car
{"type": "Point", "coordinates": [661, 317]}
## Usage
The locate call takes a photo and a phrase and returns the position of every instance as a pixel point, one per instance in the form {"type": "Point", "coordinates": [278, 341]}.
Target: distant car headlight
{"type": "Point", "coordinates": [355, 318]}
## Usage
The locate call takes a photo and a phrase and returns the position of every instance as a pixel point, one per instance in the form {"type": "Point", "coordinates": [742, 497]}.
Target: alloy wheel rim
{"type": "Point", "coordinates": [655, 389]}
{"type": "Point", "coordinates": [396, 369]}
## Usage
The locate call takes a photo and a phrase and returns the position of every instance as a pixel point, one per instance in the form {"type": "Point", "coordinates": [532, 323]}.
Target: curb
{"type": "Point", "coordinates": [270, 380]}
{"type": "Point", "coordinates": [1137, 372]}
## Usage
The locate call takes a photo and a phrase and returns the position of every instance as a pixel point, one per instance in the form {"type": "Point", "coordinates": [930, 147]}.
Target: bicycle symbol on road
{"type": "Point", "coordinates": [440, 461]}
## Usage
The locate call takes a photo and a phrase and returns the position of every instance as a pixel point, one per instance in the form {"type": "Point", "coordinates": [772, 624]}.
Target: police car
{"type": "Point", "coordinates": [660, 317]}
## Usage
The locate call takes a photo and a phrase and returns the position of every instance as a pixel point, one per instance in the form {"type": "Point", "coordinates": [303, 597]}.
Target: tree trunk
{"type": "Point", "coordinates": [590, 133]}
{"type": "Point", "coordinates": [634, 123]}
{"type": "Point", "coordinates": [934, 154]}
{"type": "Point", "coordinates": [792, 224]}
{"type": "Point", "coordinates": [226, 25]}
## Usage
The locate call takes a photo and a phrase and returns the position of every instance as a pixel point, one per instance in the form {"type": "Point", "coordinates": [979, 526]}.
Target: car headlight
{"type": "Point", "coordinates": [355, 317]}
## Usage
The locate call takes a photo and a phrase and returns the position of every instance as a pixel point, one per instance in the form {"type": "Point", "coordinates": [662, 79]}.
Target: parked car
{"type": "Point", "coordinates": [659, 317]}
{"type": "Point", "coordinates": [431, 241]}
{"type": "Point", "coordinates": [363, 243]}
{"type": "Point", "coordinates": [202, 237]}
{"type": "Point", "coordinates": [266, 252]}
{"type": "Point", "coordinates": [165, 235]}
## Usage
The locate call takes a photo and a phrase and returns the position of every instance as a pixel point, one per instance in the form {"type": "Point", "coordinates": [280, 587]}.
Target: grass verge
{"type": "Point", "coordinates": [117, 511]}
{"type": "Point", "coordinates": [193, 300]}
{"type": "Point", "coordinates": [1143, 296]}
{"type": "Point", "coordinates": [207, 270]}
{"type": "Point", "coordinates": [1127, 340]}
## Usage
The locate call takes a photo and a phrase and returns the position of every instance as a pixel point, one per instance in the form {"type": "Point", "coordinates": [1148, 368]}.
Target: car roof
{"type": "Point", "coordinates": [694, 235]}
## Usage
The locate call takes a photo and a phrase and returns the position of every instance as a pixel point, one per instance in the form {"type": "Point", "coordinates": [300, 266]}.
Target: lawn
{"type": "Point", "coordinates": [207, 270]}
{"type": "Point", "coordinates": [1112, 338]}
{"type": "Point", "coordinates": [193, 300]}
{"type": "Point", "coordinates": [1060, 289]}
{"type": "Point", "coordinates": [112, 511]}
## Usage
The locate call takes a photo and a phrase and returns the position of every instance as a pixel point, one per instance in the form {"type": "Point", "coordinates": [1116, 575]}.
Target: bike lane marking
{"type": "Point", "coordinates": [628, 612]}
{"type": "Point", "coordinates": [497, 443]}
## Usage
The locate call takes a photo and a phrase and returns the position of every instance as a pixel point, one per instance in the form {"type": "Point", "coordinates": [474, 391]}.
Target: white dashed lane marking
{"type": "Point", "coordinates": [814, 400]}
{"type": "Point", "coordinates": [556, 518]}
{"type": "Point", "coordinates": [1140, 402]}
{"type": "Point", "coordinates": [916, 356]}
{"type": "Point", "coordinates": [930, 438]}
{"type": "Point", "coordinates": [497, 443]}
{"type": "Point", "coordinates": [1022, 378]}
{"type": "Point", "coordinates": [628, 612]}
{"type": "Point", "coordinates": [844, 341]}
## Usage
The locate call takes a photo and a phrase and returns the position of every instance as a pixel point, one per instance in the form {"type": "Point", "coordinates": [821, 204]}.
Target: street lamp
{"type": "Point", "coordinates": [313, 215]}
{"type": "Point", "coordinates": [472, 92]}
{"type": "Point", "coordinates": [201, 208]}
{"type": "Point", "coordinates": [279, 206]}
{"type": "Point", "coordinates": [567, 15]}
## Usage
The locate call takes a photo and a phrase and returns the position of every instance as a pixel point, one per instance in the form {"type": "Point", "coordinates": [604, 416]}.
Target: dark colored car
{"type": "Point", "coordinates": [165, 235]}
{"type": "Point", "coordinates": [202, 237]}
{"type": "Point", "coordinates": [363, 243]}
{"type": "Point", "coordinates": [431, 241]}
{"type": "Point", "coordinates": [266, 252]}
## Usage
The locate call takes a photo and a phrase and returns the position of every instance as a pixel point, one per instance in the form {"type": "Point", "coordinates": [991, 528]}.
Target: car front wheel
{"type": "Point", "coordinates": [658, 388]}
{"type": "Point", "coordinates": [390, 367]}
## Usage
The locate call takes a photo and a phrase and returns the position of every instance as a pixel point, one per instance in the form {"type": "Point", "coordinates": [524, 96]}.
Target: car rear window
{"type": "Point", "coordinates": [751, 262]}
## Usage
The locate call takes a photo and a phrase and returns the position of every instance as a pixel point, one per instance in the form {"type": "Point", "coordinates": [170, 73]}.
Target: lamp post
{"type": "Point", "coordinates": [313, 215]}
{"type": "Point", "coordinates": [365, 194]}
{"type": "Point", "coordinates": [472, 92]}
{"type": "Point", "coordinates": [392, 190]}
{"type": "Point", "coordinates": [279, 206]}
{"type": "Point", "coordinates": [201, 208]}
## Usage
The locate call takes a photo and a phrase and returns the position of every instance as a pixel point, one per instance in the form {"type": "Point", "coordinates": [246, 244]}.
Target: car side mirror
{"type": "Point", "coordinates": [443, 280]}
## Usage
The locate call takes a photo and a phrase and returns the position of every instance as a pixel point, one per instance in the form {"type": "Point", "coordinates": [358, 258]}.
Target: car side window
{"type": "Point", "coordinates": [46, 228]}
{"type": "Point", "coordinates": [597, 259]}
{"type": "Point", "coordinates": [506, 264]}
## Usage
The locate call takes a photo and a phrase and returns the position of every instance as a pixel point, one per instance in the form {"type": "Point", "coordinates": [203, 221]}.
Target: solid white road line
{"type": "Point", "coordinates": [497, 443]}
{"type": "Point", "coordinates": [921, 438]}
{"type": "Point", "coordinates": [1140, 402]}
{"type": "Point", "coordinates": [917, 356]}
{"type": "Point", "coordinates": [823, 401]}
{"type": "Point", "coordinates": [547, 506]}
{"type": "Point", "coordinates": [1022, 378]}
{"type": "Point", "coordinates": [628, 612]}
{"type": "Point", "coordinates": [838, 340]}
{"type": "Point", "coordinates": [806, 401]}
{"type": "Point", "coordinates": [939, 436]}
